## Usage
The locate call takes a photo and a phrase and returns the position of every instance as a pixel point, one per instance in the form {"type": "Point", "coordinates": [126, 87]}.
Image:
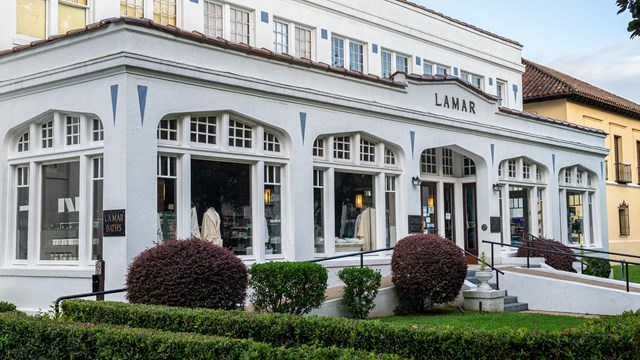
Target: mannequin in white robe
{"type": "Point", "coordinates": [211, 226]}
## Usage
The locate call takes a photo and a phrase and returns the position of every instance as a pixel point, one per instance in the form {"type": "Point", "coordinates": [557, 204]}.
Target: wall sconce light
{"type": "Point", "coordinates": [415, 181]}
{"type": "Point", "coordinates": [497, 187]}
{"type": "Point", "coordinates": [359, 201]}
{"type": "Point", "coordinates": [267, 196]}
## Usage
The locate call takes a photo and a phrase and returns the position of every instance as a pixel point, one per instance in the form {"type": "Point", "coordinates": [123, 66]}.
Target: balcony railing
{"type": "Point", "coordinates": [623, 173]}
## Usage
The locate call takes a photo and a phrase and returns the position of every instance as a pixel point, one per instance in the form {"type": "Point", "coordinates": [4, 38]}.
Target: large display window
{"type": "Point", "coordinates": [22, 212]}
{"type": "Point", "coordinates": [355, 212]}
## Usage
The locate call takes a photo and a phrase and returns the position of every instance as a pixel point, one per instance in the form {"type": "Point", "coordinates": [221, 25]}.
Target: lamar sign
{"type": "Point", "coordinates": [455, 103]}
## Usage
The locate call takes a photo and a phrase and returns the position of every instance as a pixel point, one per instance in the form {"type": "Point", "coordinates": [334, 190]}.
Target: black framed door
{"type": "Point", "coordinates": [470, 218]}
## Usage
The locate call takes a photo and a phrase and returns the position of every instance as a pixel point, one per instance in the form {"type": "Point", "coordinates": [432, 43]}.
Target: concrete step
{"type": "Point", "coordinates": [516, 307]}
{"type": "Point", "coordinates": [510, 299]}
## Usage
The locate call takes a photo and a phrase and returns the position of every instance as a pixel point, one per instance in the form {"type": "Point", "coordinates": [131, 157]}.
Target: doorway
{"type": "Point", "coordinates": [470, 220]}
{"type": "Point", "coordinates": [429, 208]}
{"type": "Point", "coordinates": [449, 212]}
{"type": "Point", "coordinates": [518, 214]}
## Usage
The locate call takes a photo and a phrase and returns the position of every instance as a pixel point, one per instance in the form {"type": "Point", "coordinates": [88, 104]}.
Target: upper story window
{"type": "Point", "coordinates": [475, 80]}
{"type": "Point", "coordinates": [428, 161]}
{"type": "Point", "coordinates": [213, 20]}
{"type": "Point", "coordinates": [33, 17]}
{"type": "Point", "coordinates": [342, 147]}
{"type": "Point", "coordinates": [240, 134]}
{"type": "Point", "coordinates": [575, 176]}
{"type": "Point", "coordinates": [469, 166]}
{"type": "Point", "coordinates": [501, 92]}
{"type": "Point", "coordinates": [240, 25]}
{"type": "Point", "coordinates": [318, 148]}
{"type": "Point", "coordinates": [299, 46]}
{"type": "Point", "coordinates": [303, 42]}
{"type": "Point", "coordinates": [72, 130]}
{"type": "Point", "coordinates": [392, 62]}
{"type": "Point", "coordinates": [446, 162]}
{"type": "Point", "coordinates": [164, 12]}
{"type": "Point", "coordinates": [623, 217]}
{"type": "Point", "coordinates": [203, 129]}
{"type": "Point", "coordinates": [133, 8]}
{"type": "Point", "coordinates": [402, 63]}
{"type": "Point", "coordinates": [98, 130]}
{"type": "Point", "coordinates": [23, 142]}
{"type": "Point", "coordinates": [281, 34]}
{"type": "Point", "coordinates": [389, 157]}
{"type": "Point", "coordinates": [355, 55]}
{"type": "Point", "coordinates": [521, 170]}
{"type": "Point", "coordinates": [386, 63]}
{"type": "Point", "coordinates": [46, 134]}
{"type": "Point", "coordinates": [367, 151]}
{"type": "Point", "coordinates": [430, 68]}
{"type": "Point", "coordinates": [168, 129]}
{"type": "Point", "coordinates": [271, 142]}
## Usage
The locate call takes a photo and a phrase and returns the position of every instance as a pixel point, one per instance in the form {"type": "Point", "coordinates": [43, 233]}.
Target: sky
{"type": "Point", "coordinates": [582, 38]}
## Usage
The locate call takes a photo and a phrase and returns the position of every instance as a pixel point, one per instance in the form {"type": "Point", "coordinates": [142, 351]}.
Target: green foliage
{"type": "Point", "coordinates": [42, 338]}
{"type": "Point", "coordinates": [361, 288]}
{"type": "Point", "coordinates": [483, 261]}
{"type": "Point", "coordinates": [562, 261]}
{"type": "Point", "coordinates": [634, 8]}
{"type": "Point", "coordinates": [427, 270]}
{"type": "Point", "coordinates": [7, 307]}
{"type": "Point", "coordinates": [189, 273]}
{"type": "Point", "coordinates": [597, 267]}
{"type": "Point", "coordinates": [287, 287]}
{"type": "Point", "coordinates": [606, 338]}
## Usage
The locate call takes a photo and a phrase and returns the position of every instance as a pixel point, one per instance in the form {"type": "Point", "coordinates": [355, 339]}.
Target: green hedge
{"type": "Point", "coordinates": [42, 338]}
{"type": "Point", "coordinates": [599, 340]}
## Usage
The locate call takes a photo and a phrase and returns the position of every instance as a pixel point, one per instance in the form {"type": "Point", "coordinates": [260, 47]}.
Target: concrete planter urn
{"type": "Point", "coordinates": [484, 276]}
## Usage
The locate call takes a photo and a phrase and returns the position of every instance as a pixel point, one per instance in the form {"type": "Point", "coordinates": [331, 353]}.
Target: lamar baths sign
{"type": "Point", "coordinates": [455, 103]}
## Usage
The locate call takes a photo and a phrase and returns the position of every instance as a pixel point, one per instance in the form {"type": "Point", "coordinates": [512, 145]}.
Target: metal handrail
{"type": "Point", "coordinates": [56, 305]}
{"type": "Point", "coordinates": [623, 262]}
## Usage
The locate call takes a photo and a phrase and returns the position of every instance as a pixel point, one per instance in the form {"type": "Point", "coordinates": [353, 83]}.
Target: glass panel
{"type": "Point", "coordinates": [318, 210]}
{"type": "Point", "coordinates": [281, 34]}
{"type": "Point", "coordinates": [356, 56]}
{"type": "Point", "coordinates": [429, 208]}
{"type": "Point", "coordinates": [96, 228]}
{"type": "Point", "coordinates": [540, 212]}
{"type": "Point", "coordinates": [212, 19]}
{"type": "Point", "coordinates": [273, 210]}
{"type": "Point", "coordinates": [337, 51]}
{"type": "Point", "coordinates": [221, 204]}
{"type": "Point", "coordinates": [355, 213]}
{"type": "Point", "coordinates": [449, 212]}
{"type": "Point", "coordinates": [575, 216]}
{"type": "Point", "coordinates": [31, 18]}
{"type": "Point", "coordinates": [470, 215]}
{"type": "Point", "coordinates": [386, 64]}
{"type": "Point", "coordinates": [592, 219]}
{"type": "Point", "coordinates": [71, 17]}
{"type": "Point", "coordinates": [22, 212]}
{"type": "Point", "coordinates": [166, 208]}
{"type": "Point", "coordinates": [60, 216]}
{"type": "Point", "coordinates": [390, 212]}
{"type": "Point", "coordinates": [518, 214]}
{"type": "Point", "coordinates": [303, 43]}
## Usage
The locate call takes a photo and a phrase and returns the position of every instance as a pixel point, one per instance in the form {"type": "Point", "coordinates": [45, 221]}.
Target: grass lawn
{"type": "Point", "coordinates": [634, 272]}
{"type": "Point", "coordinates": [489, 321]}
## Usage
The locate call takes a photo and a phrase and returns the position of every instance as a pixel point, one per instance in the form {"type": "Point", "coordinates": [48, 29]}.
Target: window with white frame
{"type": "Point", "coordinates": [72, 130]}
{"type": "Point", "coordinates": [34, 17]}
{"type": "Point", "coordinates": [213, 19]}
{"type": "Point", "coordinates": [240, 134]}
{"type": "Point", "coordinates": [164, 12]}
{"type": "Point", "coordinates": [133, 8]}
{"type": "Point", "coordinates": [167, 199]}
{"type": "Point", "coordinates": [97, 206]}
{"type": "Point", "coordinates": [97, 130]}
{"type": "Point", "coordinates": [281, 36]}
{"type": "Point", "coordinates": [389, 157]}
{"type": "Point", "coordinates": [512, 169]}
{"type": "Point", "coordinates": [526, 171]}
{"type": "Point", "coordinates": [240, 25]}
{"type": "Point", "coordinates": [203, 129]}
{"type": "Point", "coordinates": [475, 80]}
{"type": "Point", "coordinates": [23, 142]}
{"type": "Point", "coordinates": [390, 211]}
{"type": "Point", "coordinates": [273, 208]}
{"type": "Point", "coordinates": [342, 147]}
{"type": "Point", "coordinates": [46, 134]}
{"type": "Point", "coordinates": [442, 70]}
{"type": "Point", "coordinates": [367, 151]}
{"type": "Point", "coordinates": [354, 57]}
{"type": "Point", "coordinates": [577, 200]}
{"type": "Point", "coordinates": [271, 142]}
{"type": "Point", "coordinates": [501, 92]}
{"type": "Point", "coordinates": [64, 189]}
{"type": "Point", "coordinates": [447, 162]}
{"type": "Point", "coordinates": [386, 63]}
{"type": "Point", "coordinates": [430, 68]}
{"type": "Point", "coordinates": [303, 42]}
{"type": "Point", "coordinates": [392, 62]}
{"type": "Point", "coordinates": [469, 166]}
{"type": "Point", "coordinates": [428, 161]}
{"type": "Point", "coordinates": [402, 63]}
{"type": "Point", "coordinates": [318, 211]}
{"type": "Point", "coordinates": [318, 148]}
{"type": "Point", "coordinates": [168, 129]}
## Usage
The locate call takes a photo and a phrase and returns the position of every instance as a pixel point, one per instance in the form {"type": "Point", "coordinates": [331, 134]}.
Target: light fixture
{"type": "Point", "coordinates": [267, 196]}
{"type": "Point", "coordinates": [497, 187]}
{"type": "Point", "coordinates": [415, 181]}
{"type": "Point", "coordinates": [430, 201]}
{"type": "Point", "coordinates": [359, 201]}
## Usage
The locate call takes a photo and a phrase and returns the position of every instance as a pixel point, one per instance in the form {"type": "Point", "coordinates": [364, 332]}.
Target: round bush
{"type": "Point", "coordinates": [426, 270]}
{"type": "Point", "coordinates": [597, 267]}
{"type": "Point", "coordinates": [7, 307]}
{"type": "Point", "coordinates": [557, 261]}
{"type": "Point", "coordinates": [361, 288]}
{"type": "Point", "coordinates": [188, 273]}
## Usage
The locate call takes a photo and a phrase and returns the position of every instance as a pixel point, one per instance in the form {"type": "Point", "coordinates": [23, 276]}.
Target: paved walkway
{"type": "Point", "coordinates": [571, 277]}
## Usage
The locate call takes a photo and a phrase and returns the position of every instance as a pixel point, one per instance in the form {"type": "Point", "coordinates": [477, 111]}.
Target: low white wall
{"type": "Point", "coordinates": [549, 294]}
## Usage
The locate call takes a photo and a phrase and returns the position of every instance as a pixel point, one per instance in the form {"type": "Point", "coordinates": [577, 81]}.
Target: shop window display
{"type": "Point", "coordinates": [318, 210]}
{"type": "Point", "coordinates": [167, 197]}
{"type": "Point", "coordinates": [273, 209]}
{"type": "Point", "coordinates": [355, 213]}
{"type": "Point", "coordinates": [22, 213]}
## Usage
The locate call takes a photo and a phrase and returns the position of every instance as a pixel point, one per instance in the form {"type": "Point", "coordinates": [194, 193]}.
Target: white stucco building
{"type": "Point", "coordinates": [323, 133]}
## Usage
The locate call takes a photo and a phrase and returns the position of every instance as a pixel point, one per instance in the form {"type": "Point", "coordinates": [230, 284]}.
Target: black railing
{"type": "Point", "coordinates": [362, 253]}
{"type": "Point", "coordinates": [623, 173]}
{"type": "Point", "coordinates": [56, 305]}
{"type": "Point", "coordinates": [623, 262]}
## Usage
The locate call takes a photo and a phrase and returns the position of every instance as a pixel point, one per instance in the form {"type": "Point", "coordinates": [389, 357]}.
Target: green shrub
{"type": "Point", "coordinates": [615, 337]}
{"type": "Point", "coordinates": [361, 288]}
{"type": "Point", "coordinates": [287, 287]}
{"type": "Point", "coordinates": [7, 307]}
{"type": "Point", "coordinates": [557, 261]}
{"type": "Point", "coordinates": [597, 267]}
{"type": "Point", "coordinates": [42, 338]}
{"type": "Point", "coordinates": [426, 270]}
{"type": "Point", "coordinates": [188, 273]}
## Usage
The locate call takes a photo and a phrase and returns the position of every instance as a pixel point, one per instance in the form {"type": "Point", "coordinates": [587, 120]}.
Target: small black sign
{"type": "Point", "coordinates": [113, 223]}
{"type": "Point", "coordinates": [495, 224]}
{"type": "Point", "coordinates": [415, 224]}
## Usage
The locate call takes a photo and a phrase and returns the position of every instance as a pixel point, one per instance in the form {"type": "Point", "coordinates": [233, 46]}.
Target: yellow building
{"type": "Point", "coordinates": [553, 94]}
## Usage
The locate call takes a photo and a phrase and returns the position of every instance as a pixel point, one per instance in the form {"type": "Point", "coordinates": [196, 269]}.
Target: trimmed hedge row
{"type": "Point", "coordinates": [24, 337]}
{"type": "Point", "coordinates": [596, 341]}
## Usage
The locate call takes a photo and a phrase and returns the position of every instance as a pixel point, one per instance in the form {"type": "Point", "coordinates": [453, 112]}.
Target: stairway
{"type": "Point", "coordinates": [511, 303]}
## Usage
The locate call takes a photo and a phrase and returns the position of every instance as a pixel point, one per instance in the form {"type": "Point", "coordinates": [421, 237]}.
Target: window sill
{"type": "Point", "coordinates": [48, 271]}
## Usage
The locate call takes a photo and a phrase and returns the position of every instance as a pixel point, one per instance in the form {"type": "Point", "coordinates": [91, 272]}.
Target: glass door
{"type": "Point", "coordinates": [429, 208]}
{"type": "Point", "coordinates": [470, 218]}
{"type": "Point", "coordinates": [449, 212]}
{"type": "Point", "coordinates": [518, 214]}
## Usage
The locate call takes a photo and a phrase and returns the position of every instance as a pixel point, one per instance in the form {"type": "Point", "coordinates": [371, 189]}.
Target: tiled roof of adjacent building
{"type": "Point", "coordinates": [541, 83]}
{"type": "Point", "coordinates": [461, 22]}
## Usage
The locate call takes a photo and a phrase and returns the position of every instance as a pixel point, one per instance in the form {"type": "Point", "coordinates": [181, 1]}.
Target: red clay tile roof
{"type": "Point", "coordinates": [460, 22]}
{"type": "Point", "coordinates": [549, 120]}
{"type": "Point", "coordinates": [541, 83]}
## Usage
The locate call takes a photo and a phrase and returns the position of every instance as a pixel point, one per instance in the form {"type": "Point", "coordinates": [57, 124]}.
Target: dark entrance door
{"type": "Point", "coordinates": [429, 206]}
{"type": "Point", "coordinates": [470, 220]}
{"type": "Point", "coordinates": [449, 212]}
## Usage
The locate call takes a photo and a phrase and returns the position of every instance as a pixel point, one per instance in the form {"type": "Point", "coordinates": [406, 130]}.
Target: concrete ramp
{"type": "Point", "coordinates": [560, 291]}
